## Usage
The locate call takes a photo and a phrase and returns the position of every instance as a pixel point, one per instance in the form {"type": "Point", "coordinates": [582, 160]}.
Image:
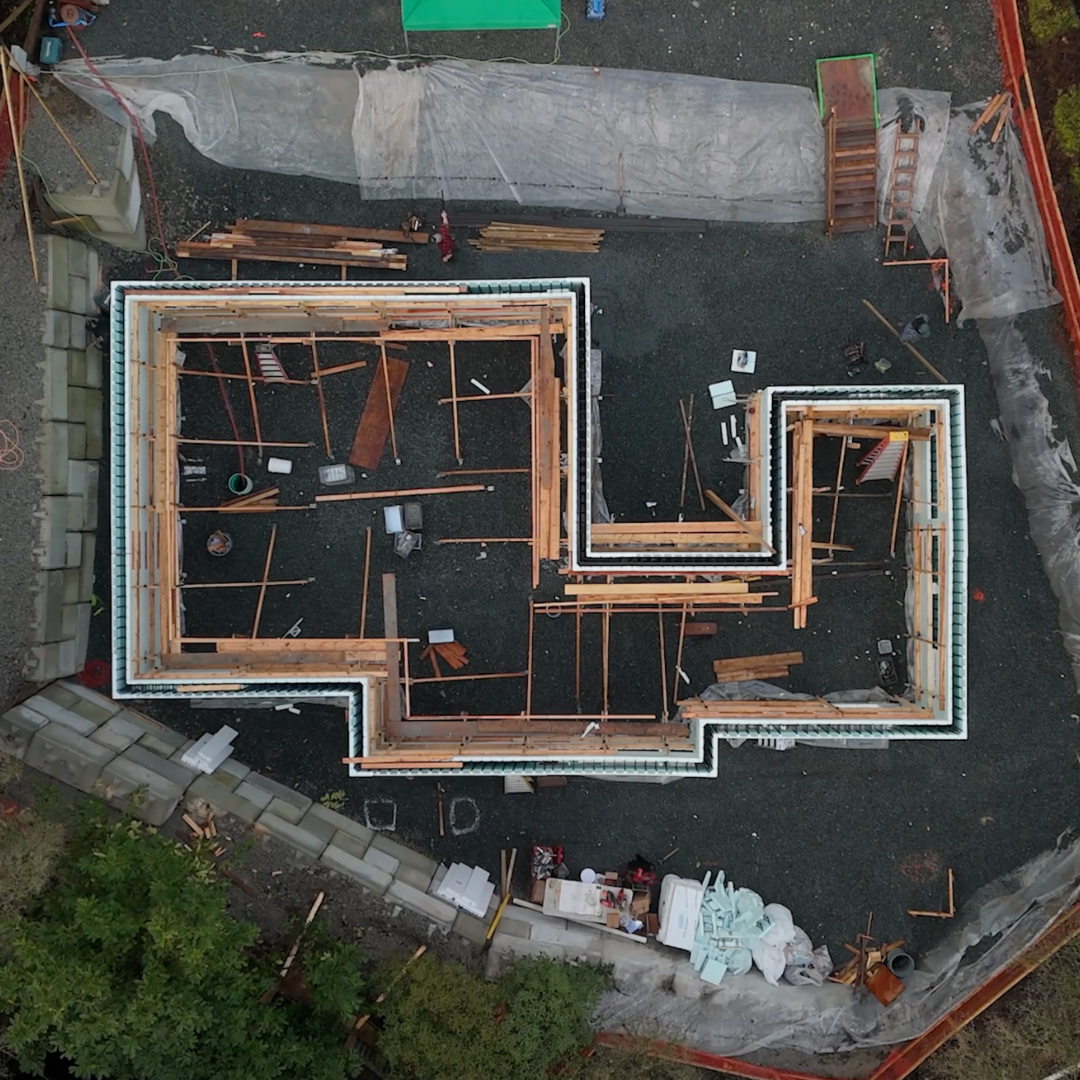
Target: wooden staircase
{"type": "Point", "coordinates": [850, 175]}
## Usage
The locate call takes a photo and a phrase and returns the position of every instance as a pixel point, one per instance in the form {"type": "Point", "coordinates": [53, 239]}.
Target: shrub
{"type": "Point", "coordinates": [441, 1020]}
{"type": "Point", "coordinates": [1050, 18]}
{"type": "Point", "coordinates": [1067, 121]}
{"type": "Point", "coordinates": [134, 970]}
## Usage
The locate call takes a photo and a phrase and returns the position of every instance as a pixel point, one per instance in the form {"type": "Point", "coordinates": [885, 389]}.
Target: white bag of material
{"type": "Point", "coordinates": [781, 928]}
{"type": "Point", "coordinates": [805, 965]}
{"type": "Point", "coordinates": [769, 960]}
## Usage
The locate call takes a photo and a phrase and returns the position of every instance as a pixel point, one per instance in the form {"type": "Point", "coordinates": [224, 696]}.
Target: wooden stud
{"type": "Point", "coordinates": [899, 497]}
{"type": "Point", "coordinates": [389, 407]}
{"type": "Point", "coordinates": [243, 584]}
{"type": "Point", "coordinates": [319, 392]}
{"type": "Point", "coordinates": [454, 402]}
{"type": "Point", "coordinates": [839, 482]}
{"type": "Point", "coordinates": [907, 345]}
{"type": "Point", "coordinates": [363, 595]}
{"type": "Point", "coordinates": [237, 442]}
{"type": "Point", "coordinates": [485, 540]}
{"type": "Point", "coordinates": [678, 658]}
{"type": "Point", "coordinates": [693, 456]}
{"type": "Point", "coordinates": [263, 583]}
{"type": "Point", "coordinates": [323, 372]}
{"type": "Point", "coordinates": [16, 139]}
{"type": "Point", "coordinates": [723, 506]}
{"type": "Point", "coordinates": [529, 669]}
{"type": "Point", "coordinates": [577, 655]}
{"type": "Point", "coordinates": [477, 472]}
{"type": "Point", "coordinates": [400, 493]}
{"type": "Point", "coordinates": [685, 462]}
{"type": "Point", "coordinates": [663, 662]}
{"type": "Point", "coordinates": [251, 396]}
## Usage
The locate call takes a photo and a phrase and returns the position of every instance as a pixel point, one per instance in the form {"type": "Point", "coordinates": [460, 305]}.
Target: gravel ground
{"type": "Point", "coordinates": [831, 834]}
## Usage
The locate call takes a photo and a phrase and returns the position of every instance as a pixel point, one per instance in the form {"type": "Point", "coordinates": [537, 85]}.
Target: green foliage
{"type": "Point", "coordinates": [333, 800]}
{"type": "Point", "coordinates": [1074, 175]}
{"type": "Point", "coordinates": [134, 970]}
{"type": "Point", "coordinates": [441, 1020]}
{"type": "Point", "coordinates": [1050, 18]}
{"type": "Point", "coordinates": [1030, 1034]}
{"type": "Point", "coordinates": [1067, 121]}
{"type": "Point", "coordinates": [29, 849]}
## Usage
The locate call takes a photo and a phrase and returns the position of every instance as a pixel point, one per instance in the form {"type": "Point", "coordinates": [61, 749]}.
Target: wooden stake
{"type": "Point", "coordinates": [16, 139]}
{"type": "Point", "coordinates": [577, 656]}
{"type": "Point", "coordinates": [389, 405]}
{"type": "Point", "coordinates": [63, 134]}
{"type": "Point", "coordinates": [251, 395]}
{"type": "Point", "coordinates": [899, 496]}
{"type": "Point", "coordinates": [1006, 112]}
{"type": "Point", "coordinates": [363, 595]}
{"type": "Point", "coordinates": [992, 107]}
{"type": "Point", "coordinates": [685, 460]}
{"type": "Point", "coordinates": [678, 658]}
{"type": "Point", "coordinates": [663, 662]}
{"type": "Point", "coordinates": [323, 372]}
{"type": "Point", "coordinates": [510, 871]}
{"type": "Point", "coordinates": [910, 348]}
{"type": "Point", "coordinates": [693, 456]}
{"type": "Point", "coordinates": [350, 1042]}
{"type": "Point", "coordinates": [319, 392]}
{"type": "Point", "coordinates": [453, 401]}
{"type": "Point", "coordinates": [263, 583]}
{"type": "Point", "coordinates": [439, 807]}
{"type": "Point", "coordinates": [239, 442]}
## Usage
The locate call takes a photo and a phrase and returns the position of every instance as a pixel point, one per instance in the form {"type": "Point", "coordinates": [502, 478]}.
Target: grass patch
{"type": "Point", "coordinates": [1047, 19]}
{"type": "Point", "coordinates": [1033, 1032]}
{"type": "Point", "coordinates": [1067, 121]}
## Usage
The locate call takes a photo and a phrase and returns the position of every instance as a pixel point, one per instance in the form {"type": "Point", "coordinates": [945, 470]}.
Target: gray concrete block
{"type": "Point", "coordinates": [60, 694]}
{"type": "Point", "coordinates": [523, 947]}
{"type": "Point", "coordinates": [354, 845]}
{"type": "Point", "coordinates": [67, 662]}
{"type": "Point", "coordinates": [338, 822]}
{"type": "Point", "coordinates": [231, 770]}
{"type": "Point", "coordinates": [76, 404]}
{"type": "Point", "coordinates": [371, 877]}
{"type": "Point", "coordinates": [64, 755]}
{"type": "Point", "coordinates": [573, 939]}
{"type": "Point", "coordinates": [93, 271]}
{"type": "Point", "coordinates": [158, 798]}
{"type": "Point", "coordinates": [436, 880]}
{"type": "Point", "coordinates": [280, 791]}
{"type": "Point", "coordinates": [49, 605]}
{"type": "Point", "coordinates": [90, 507]}
{"type": "Point", "coordinates": [86, 566]}
{"type": "Point", "coordinates": [17, 727]}
{"type": "Point", "coordinates": [292, 834]}
{"type": "Point", "coordinates": [59, 266]}
{"type": "Point", "coordinates": [76, 434]}
{"type": "Point", "coordinates": [54, 404]}
{"type": "Point", "coordinates": [43, 663]}
{"type": "Point", "coordinates": [54, 450]}
{"type": "Point", "coordinates": [404, 855]}
{"type": "Point", "coordinates": [162, 742]}
{"type": "Point", "coordinates": [52, 537]}
{"type": "Point", "coordinates": [380, 859]}
{"type": "Point", "coordinates": [438, 911]}
{"type": "Point", "coordinates": [69, 622]}
{"type": "Point", "coordinates": [285, 810]}
{"type": "Point", "coordinates": [514, 927]}
{"type": "Point", "coordinates": [78, 257]}
{"type": "Point", "coordinates": [56, 329]}
{"type": "Point", "coordinates": [77, 477]}
{"type": "Point", "coordinates": [318, 825]}
{"type": "Point", "coordinates": [74, 550]}
{"type": "Point", "coordinates": [254, 794]}
{"type": "Point", "coordinates": [79, 298]}
{"type": "Point", "coordinates": [94, 425]}
{"type": "Point", "coordinates": [470, 927]}
{"type": "Point", "coordinates": [418, 879]}
{"type": "Point", "coordinates": [76, 515]}
{"type": "Point", "coordinates": [177, 754]}
{"type": "Point", "coordinates": [71, 584]}
{"type": "Point", "coordinates": [93, 368]}
{"type": "Point", "coordinates": [83, 614]}
{"type": "Point", "coordinates": [222, 799]}
{"type": "Point", "coordinates": [180, 775]}
{"type": "Point", "coordinates": [59, 714]}
{"type": "Point", "coordinates": [100, 703]}
{"type": "Point", "coordinates": [116, 734]}
{"type": "Point", "coordinates": [76, 332]}
{"type": "Point", "coordinates": [74, 362]}
{"type": "Point", "coordinates": [139, 721]}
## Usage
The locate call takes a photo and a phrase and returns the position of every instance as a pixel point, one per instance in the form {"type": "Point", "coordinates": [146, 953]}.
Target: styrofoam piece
{"type": "Point", "coordinates": [723, 394]}
{"type": "Point", "coordinates": [744, 361]}
{"type": "Point", "coordinates": [734, 429]}
{"type": "Point", "coordinates": [336, 474]}
{"type": "Point", "coordinates": [440, 637]}
{"type": "Point", "coordinates": [279, 465]}
{"type": "Point", "coordinates": [680, 902]}
{"type": "Point", "coordinates": [393, 519]}
{"type": "Point", "coordinates": [211, 750]}
{"type": "Point", "coordinates": [467, 887]}
{"type": "Point", "coordinates": [480, 386]}
{"type": "Point", "coordinates": [723, 433]}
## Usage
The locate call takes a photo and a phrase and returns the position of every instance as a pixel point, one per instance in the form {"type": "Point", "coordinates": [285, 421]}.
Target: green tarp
{"type": "Point", "coordinates": [479, 14]}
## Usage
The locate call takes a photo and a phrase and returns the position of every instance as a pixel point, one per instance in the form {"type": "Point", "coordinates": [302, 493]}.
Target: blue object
{"type": "Point", "coordinates": [84, 18]}
{"type": "Point", "coordinates": [50, 50]}
{"type": "Point", "coordinates": [594, 9]}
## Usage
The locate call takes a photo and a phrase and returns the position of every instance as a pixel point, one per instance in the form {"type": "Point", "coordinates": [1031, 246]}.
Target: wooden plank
{"type": "Point", "coordinates": [666, 589]}
{"type": "Point", "coordinates": [663, 527]}
{"type": "Point", "coordinates": [393, 650]}
{"type": "Point", "coordinates": [401, 493]}
{"type": "Point", "coordinates": [725, 509]}
{"type": "Point", "coordinates": [374, 426]}
{"type": "Point", "coordinates": [263, 583]}
{"type": "Point", "coordinates": [251, 226]}
{"type": "Point", "coordinates": [867, 431]}
{"type": "Point", "coordinates": [764, 660]}
{"type": "Point", "coordinates": [543, 391]}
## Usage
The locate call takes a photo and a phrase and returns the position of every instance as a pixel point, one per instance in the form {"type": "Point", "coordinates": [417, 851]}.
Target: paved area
{"type": "Point", "coordinates": [832, 834]}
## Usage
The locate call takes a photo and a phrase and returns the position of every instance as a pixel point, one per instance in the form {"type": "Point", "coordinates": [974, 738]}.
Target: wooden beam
{"type": "Point", "coordinates": [453, 400]}
{"type": "Point", "coordinates": [393, 652]}
{"type": "Point", "coordinates": [367, 568]}
{"type": "Point", "coordinates": [322, 400]}
{"type": "Point", "coordinates": [265, 580]}
{"type": "Point", "coordinates": [724, 508]}
{"type": "Point", "coordinates": [400, 493]}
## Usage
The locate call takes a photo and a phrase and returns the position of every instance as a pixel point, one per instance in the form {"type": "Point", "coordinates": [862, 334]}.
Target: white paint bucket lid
{"type": "Point", "coordinates": [588, 876]}
{"type": "Point", "coordinates": [279, 465]}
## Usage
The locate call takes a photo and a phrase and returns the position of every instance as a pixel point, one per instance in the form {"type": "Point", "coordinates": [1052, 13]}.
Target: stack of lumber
{"type": "Point", "coordinates": [680, 535]}
{"type": "Point", "coordinates": [285, 241]}
{"type": "Point", "coordinates": [503, 236]}
{"type": "Point", "coordinates": [453, 652]}
{"type": "Point", "coordinates": [703, 592]}
{"type": "Point", "coordinates": [803, 711]}
{"type": "Point", "coordinates": [257, 502]}
{"type": "Point", "coordinates": [745, 668]}
{"type": "Point", "coordinates": [802, 521]}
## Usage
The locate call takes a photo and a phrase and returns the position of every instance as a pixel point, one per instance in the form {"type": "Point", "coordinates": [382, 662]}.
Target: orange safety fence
{"type": "Point", "coordinates": [1026, 116]}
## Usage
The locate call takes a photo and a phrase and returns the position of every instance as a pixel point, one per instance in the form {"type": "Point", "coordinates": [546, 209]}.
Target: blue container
{"type": "Point", "coordinates": [594, 10]}
{"type": "Point", "coordinates": [50, 50]}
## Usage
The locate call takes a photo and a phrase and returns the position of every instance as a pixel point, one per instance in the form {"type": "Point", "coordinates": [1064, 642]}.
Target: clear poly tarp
{"type": "Point", "coordinates": [981, 210]}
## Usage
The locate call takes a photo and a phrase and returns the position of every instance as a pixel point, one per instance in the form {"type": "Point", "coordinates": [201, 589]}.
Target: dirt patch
{"type": "Point", "coordinates": [1053, 68]}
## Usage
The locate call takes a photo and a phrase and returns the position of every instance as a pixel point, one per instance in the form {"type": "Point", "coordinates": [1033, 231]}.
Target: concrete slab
{"type": "Point", "coordinates": [17, 727]}
{"type": "Point", "coordinates": [438, 911]}
{"type": "Point", "coordinates": [418, 879]}
{"type": "Point", "coordinates": [180, 775]}
{"type": "Point", "coordinates": [222, 799]}
{"type": "Point", "coordinates": [280, 791]}
{"type": "Point", "coordinates": [60, 714]}
{"type": "Point", "coordinates": [340, 823]}
{"type": "Point", "coordinates": [371, 877]}
{"type": "Point", "coordinates": [65, 755]}
{"type": "Point", "coordinates": [405, 855]}
{"type": "Point", "coordinates": [355, 846]}
{"type": "Point", "coordinates": [387, 863]}
{"type": "Point", "coordinates": [158, 796]}
{"type": "Point", "coordinates": [470, 927]}
{"type": "Point", "coordinates": [292, 834]}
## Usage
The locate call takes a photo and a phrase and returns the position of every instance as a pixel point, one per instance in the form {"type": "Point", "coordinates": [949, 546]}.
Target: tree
{"type": "Point", "coordinates": [134, 970]}
{"type": "Point", "coordinates": [443, 1021]}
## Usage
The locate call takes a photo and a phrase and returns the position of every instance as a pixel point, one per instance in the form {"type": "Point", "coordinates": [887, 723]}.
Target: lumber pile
{"type": "Point", "coordinates": [286, 241]}
{"type": "Point", "coordinates": [803, 711]}
{"type": "Point", "coordinates": [802, 521]}
{"type": "Point", "coordinates": [452, 652]}
{"type": "Point", "coordinates": [504, 236]}
{"type": "Point", "coordinates": [546, 473]}
{"type": "Point", "coordinates": [705, 592]}
{"type": "Point", "coordinates": [257, 502]}
{"type": "Point", "coordinates": [745, 668]}
{"type": "Point", "coordinates": [678, 535]}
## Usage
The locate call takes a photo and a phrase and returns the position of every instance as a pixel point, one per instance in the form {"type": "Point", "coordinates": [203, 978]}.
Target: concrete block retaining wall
{"type": "Point", "coordinates": [85, 739]}
{"type": "Point", "coordinates": [72, 411]}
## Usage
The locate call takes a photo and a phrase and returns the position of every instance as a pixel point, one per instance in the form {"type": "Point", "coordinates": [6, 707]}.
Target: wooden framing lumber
{"type": "Point", "coordinates": [393, 651]}
{"type": "Point", "coordinates": [265, 580]}
{"type": "Point", "coordinates": [315, 375]}
{"type": "Point", "coordinates": [400, 493]}
{"type": "Point", "coordinates": [377, 417]}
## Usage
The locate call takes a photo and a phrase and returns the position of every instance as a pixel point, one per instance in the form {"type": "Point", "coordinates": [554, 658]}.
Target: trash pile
{"type": "Point", "coordinates": [737, 930]}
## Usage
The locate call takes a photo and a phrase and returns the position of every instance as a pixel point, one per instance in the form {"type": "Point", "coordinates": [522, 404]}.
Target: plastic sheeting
{"type": "Point", "coordinates": [584, 138]}
{"type": "Point", "coordinates": [1043, 469]}
{"type": "Point", "coordinates": [981, 210]}
{"type": "Point", "coordinates": [744, 1014]}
